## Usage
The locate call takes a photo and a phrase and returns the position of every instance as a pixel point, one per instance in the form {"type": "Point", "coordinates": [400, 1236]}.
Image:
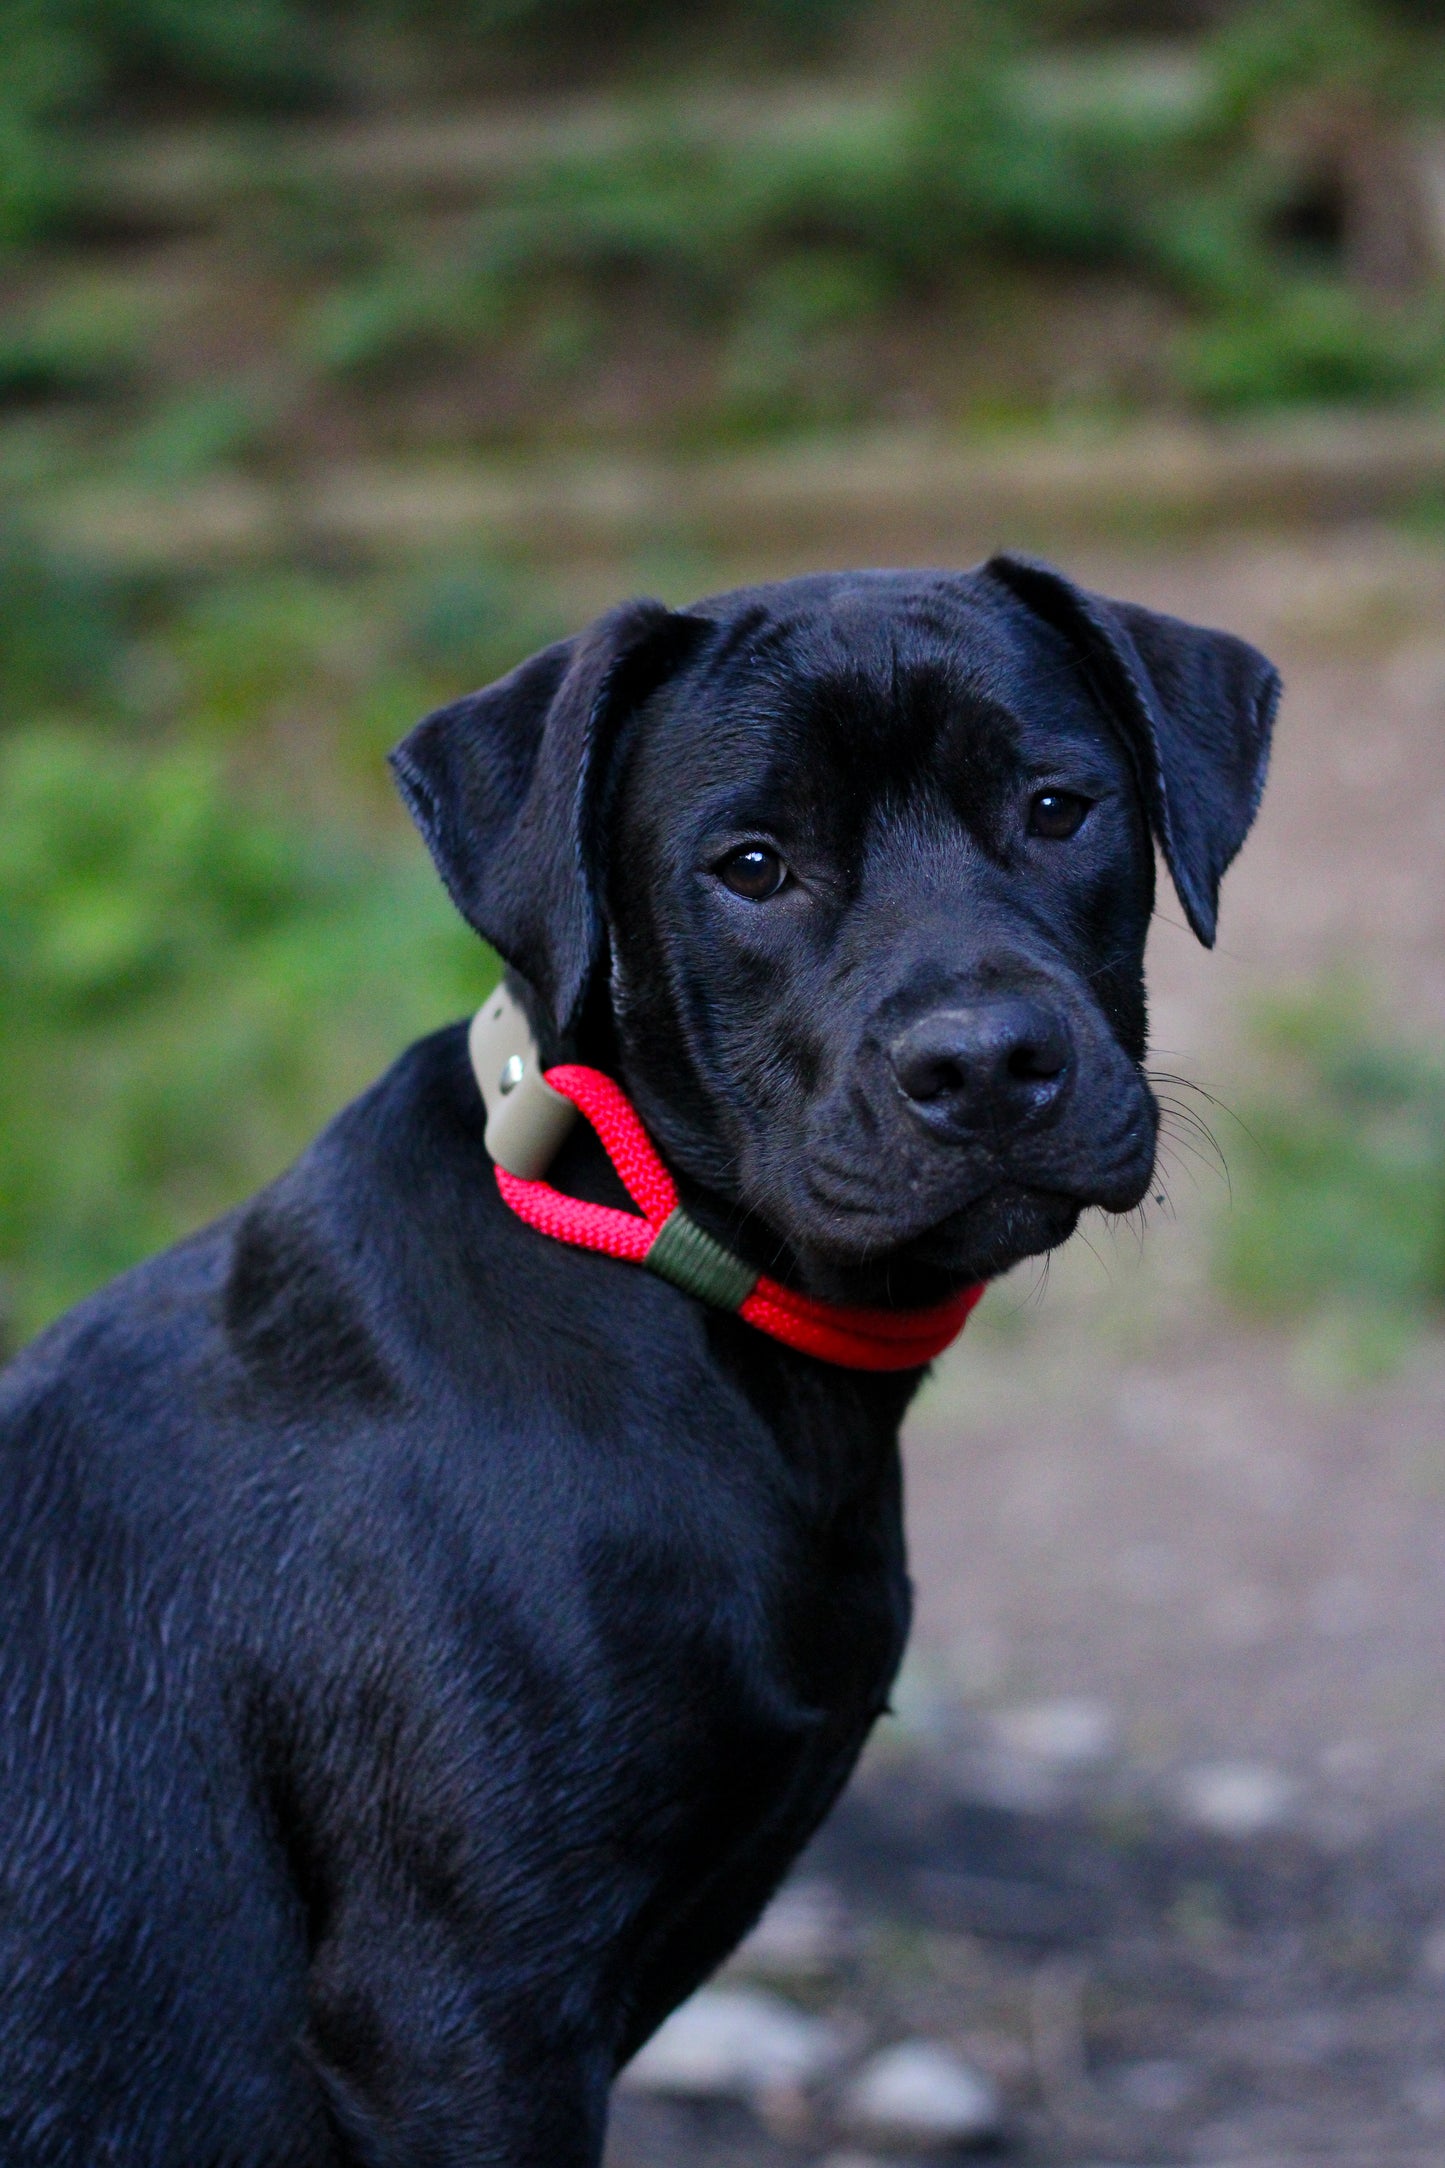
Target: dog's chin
{"type": "Point", "coordinates": [995, 1232]}
{"type": "Point", "coordinates": [879, 1257]}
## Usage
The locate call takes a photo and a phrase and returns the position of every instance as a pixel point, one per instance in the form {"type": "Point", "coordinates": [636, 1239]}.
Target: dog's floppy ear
{"type": "Point", "coordinates": [1195, 709]}
{"type": "Point", "coordinates": [503, 786]}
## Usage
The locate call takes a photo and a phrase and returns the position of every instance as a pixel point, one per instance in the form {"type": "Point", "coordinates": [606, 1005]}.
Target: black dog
{"type": "Point", "coordinates": [424, 1645]}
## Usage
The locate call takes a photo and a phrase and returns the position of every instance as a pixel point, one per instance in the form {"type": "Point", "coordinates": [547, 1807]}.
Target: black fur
{"type": "Point", "coordinates": [425, 1646]}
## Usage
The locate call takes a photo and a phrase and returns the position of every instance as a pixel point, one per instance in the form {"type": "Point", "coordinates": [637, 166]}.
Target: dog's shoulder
{"type": "Point", "coordinates": [378, 1293]}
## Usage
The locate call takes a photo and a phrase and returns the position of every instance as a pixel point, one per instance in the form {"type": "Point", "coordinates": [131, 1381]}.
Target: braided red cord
{"type": "Point", "coordinates": [858, 1339]}
{"type": "Point", "coordinates": [853, 1338]}
{"type": "Point", "coordinates": [567, 1219]}
{"type": "Point", "coordinates": [625, 1141]}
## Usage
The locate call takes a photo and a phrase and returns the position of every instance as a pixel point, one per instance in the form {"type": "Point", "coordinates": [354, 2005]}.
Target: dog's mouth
{"type": "Point", "coordinates": [996, 1232]}
{"type": "Point", "coordinates": [1009, 1221]}
{"type": "Point", "coordinates": [876, 1260]}
{"type": "Point", "coordinates": [974, 1223]}
{"type": "Point", "coordinates": [869, 1184]}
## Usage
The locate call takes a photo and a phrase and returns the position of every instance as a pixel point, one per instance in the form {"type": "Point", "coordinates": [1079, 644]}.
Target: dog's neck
{"type": "Point", "coordinates": [513, 1040]}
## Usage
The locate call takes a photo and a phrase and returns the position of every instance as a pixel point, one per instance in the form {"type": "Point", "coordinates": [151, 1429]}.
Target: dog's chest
{"type": "Point", "coordinates": [781, 1651]}
{"type": "Point", "coordinates": [680, 1590]}
{"type": "Point", "coordinates": [774, 1575]}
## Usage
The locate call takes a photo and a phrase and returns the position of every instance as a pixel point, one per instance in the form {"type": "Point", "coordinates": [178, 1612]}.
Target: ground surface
{"type": "Point", "coordinates": [1158, 1833]}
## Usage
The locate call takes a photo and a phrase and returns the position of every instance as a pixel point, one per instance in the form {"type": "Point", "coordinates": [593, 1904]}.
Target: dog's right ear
{"type": "Point", "coordinates": [504, 787]}
{"type": "Point", "coordinates": [1195, 710]}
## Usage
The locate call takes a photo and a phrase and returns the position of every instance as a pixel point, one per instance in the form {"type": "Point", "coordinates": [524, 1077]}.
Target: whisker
{"type": "Point", "coordinates": [1201, 1091]}
{"type": "Point", "coordinates": [1098, 1260]}
{"type": "Point", "coordinates": [1181, 1168]}
{"type": "Point", "coordinates": [1137, 1222]}
{"type": "Point", "coordinates": [1185, 1117]}
{"type": "Point", "coordinates": [1184, 1129]}
{"type": "Point", "coordinates": [1177, 1116]}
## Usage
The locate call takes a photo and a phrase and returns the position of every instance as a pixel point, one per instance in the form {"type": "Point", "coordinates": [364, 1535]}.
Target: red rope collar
{"type": "Point", "coordinates": [675, 1247]}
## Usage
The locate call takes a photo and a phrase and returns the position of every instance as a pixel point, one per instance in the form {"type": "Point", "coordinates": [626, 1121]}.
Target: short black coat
{"type": "Point", "coordinates": [424, 1647]}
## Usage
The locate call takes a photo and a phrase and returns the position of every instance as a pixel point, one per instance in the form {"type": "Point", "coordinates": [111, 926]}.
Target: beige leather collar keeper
{"type": "Point", "coordinates": [526, 1119]}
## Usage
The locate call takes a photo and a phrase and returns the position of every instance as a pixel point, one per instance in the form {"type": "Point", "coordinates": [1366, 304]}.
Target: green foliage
{"type": "Point", "coordinates": [340, 665]}
{"type": "Point", "coordinates": [785, 247]}
{"type": "Point", "coordinates": [73, 54]}
{"type": "Point", "coordinates": [995, 165]}
{"type": "Point", "coordinates": [789, 27]}
{"type": "Point", "coordinates": [89, 338]}
{"type": "Point", "coordinates": [191, 979]}
{"type": "Point", "coordinates": [788, 249]}
{"type": "Point", "coordinates": [1313, 343]}
{"type": "Point", "coordinates": [1272, 51]}
{"type": "Point", "coordinates": [262, 51]}
{"type": "Point", "coordinates": [60, 631]}
{"type": "Point", "coordinates": [73, 59]}
{"type": "Point", "coordinates": [466, 622]}
{"type": "Point", "coordinates": [68, 59]}
{"type": "Point", "coordinates": [1339, 1206]}
{"type": "Point", "coordinates": [196, 432]}
{"type": "Point", "coordinates": [214, 926]}
{"type": "Point", "coordinates": [793, 313]}
{"type": "Point", "coordinates": [46, 72]}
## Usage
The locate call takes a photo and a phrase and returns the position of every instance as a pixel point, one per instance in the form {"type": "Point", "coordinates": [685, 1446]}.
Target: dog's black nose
{"type": "Point", "coordinates": [989, 1065]}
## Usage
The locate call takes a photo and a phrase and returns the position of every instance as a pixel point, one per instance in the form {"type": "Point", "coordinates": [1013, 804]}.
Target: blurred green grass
{"type": "Point", "coordinates": [189, 983]}
{"type": "Point", "coordinates": [1337, 1222]}
{"type": "Point", "coordinates": [214, 926]}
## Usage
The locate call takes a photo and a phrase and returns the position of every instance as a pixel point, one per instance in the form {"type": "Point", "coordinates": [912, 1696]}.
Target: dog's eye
{"type": "Point", "coordinates": [1057, 814]}
{"type": "Point", "coordinates": [754, 872]}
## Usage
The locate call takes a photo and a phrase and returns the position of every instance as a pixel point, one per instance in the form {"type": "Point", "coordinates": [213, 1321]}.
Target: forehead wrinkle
{"type": "Point", "coordinates": [882, 693]}
{"type": "Point", "coordinates": [895, 737]}
{"type": "Point", "coordinates": [886, 703]}
{"type": "Point", "coordinates": [764, 651]}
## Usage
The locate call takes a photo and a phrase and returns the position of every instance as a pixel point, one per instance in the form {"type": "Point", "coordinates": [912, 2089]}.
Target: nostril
{"type": "Point", "coordinates": [931, 1077]}
{"type": "Point", "coordinates": [1038, 1061]}
{"type": "Point", "coordinates": [1002, 1059]}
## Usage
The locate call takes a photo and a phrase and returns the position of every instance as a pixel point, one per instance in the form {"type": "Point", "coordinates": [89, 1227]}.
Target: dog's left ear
{"type": "Point", "coordinates": [504, 786]}
{"type": "Point", "coordinates": [1195, 709]}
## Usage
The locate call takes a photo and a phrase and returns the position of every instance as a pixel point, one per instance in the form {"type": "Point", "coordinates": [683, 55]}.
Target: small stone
{"type": "Point", "coordinates": [1432, 1954]}
{"type": "Point", "coordinates": [734, 2043]}
{"type": "Point", "coordinates": [805, 1934]}
{"type": "Point", "coordinates": [923, 2096]}
{"type": "Point", "coordinates": [1236, 1799]}
{"type": "Point", "coordinates": [1070, 1734]}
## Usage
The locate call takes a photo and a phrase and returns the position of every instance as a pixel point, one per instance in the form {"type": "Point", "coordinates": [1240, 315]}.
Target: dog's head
{"type": "Point", "coordinates": [848, 879]}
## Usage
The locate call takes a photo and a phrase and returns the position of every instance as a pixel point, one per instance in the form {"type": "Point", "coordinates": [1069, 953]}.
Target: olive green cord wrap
{"type": "Point", "coordinates": [691, 1260]}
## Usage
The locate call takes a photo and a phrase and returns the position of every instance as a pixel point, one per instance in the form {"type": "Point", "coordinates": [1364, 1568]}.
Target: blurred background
{"type": "Point", "coordinates": [350, 352]}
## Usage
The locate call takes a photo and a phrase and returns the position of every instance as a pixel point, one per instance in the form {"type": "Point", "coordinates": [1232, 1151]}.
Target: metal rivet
{"type": "Point", "coordinates": [513, 1071]}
